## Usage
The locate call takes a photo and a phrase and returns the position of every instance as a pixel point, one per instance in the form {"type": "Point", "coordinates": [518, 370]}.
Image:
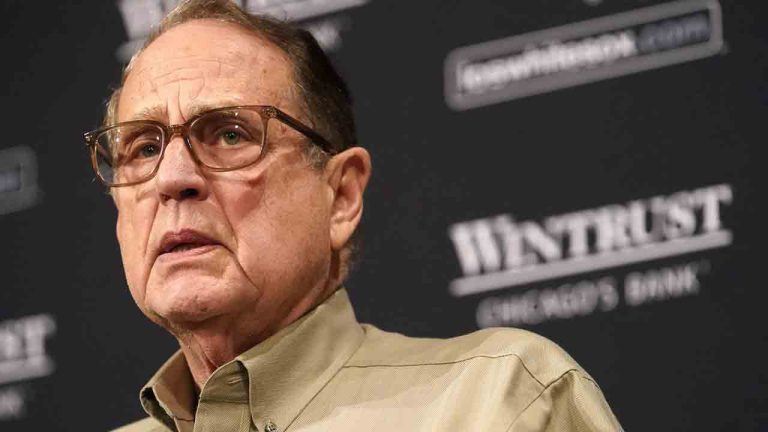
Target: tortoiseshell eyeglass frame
{"type": "Point", "coordinates": [266, 112]}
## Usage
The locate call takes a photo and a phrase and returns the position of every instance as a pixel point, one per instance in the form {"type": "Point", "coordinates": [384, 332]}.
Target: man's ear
{"type": "Point", "coordinates": [347, 173]}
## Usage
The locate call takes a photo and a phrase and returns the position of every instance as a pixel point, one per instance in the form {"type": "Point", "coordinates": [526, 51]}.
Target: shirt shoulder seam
{"type": "Point", "coordinates": [464, 360]}
{"type": "Point", "coordinates": [538, 396]}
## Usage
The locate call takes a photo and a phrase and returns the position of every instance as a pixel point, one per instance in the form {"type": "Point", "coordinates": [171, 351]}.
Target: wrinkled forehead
{"type": "Point", "coordinates": [205, 63]}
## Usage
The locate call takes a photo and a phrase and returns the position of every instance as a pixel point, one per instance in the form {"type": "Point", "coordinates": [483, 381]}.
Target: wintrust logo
{"type": "Point", "coordinates": [140, 17]}
{"type": "Point", "coordinates": [24, 357]}
{"type": "Point", "coordinates": [583, 52]}
{"type": "Point", "coordinates": [23, 353]}
{"type": "Point", "coordinates": [500, 252]}
{"type": "Point", "coordinates": [18, 179]}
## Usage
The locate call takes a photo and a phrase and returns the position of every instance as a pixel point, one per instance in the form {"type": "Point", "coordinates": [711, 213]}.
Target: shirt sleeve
{"type": "Point", "coordinates": [573, 402]}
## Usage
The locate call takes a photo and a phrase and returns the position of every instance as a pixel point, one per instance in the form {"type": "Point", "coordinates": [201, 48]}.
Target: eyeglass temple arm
{"type": "Point", "coordinates": [309, 133]}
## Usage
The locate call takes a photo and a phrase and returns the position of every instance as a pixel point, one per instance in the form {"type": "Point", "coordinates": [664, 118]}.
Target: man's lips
{"type": "Point", "coordinates": [185, 242]}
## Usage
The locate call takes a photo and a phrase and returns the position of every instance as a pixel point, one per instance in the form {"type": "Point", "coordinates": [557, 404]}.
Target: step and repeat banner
{"type": "Point", "coordinates": [584, 169]}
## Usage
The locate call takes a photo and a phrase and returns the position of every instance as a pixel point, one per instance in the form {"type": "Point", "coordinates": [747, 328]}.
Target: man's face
{"type": "Point", "coordinates": [269, 223]}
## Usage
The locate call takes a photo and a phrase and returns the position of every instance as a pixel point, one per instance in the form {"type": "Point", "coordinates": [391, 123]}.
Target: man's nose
{"type": "Point", "coordinates": [178, 176]}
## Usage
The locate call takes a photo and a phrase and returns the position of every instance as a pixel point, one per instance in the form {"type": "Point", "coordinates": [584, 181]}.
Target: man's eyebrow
{"type": "Point", "coordinates": [201, 108]}
{"type": "Point", "coordinates": [157, 113]}
{"type": "Point", "coordinates": [160, 113]}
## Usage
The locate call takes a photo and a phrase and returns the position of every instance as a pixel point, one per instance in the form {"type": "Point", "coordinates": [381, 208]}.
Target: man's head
{"type": "Point", "coordinates": [279, 228]}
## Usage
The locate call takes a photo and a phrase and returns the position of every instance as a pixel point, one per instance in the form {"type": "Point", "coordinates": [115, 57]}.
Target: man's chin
{"type": "Point", "coordinates": [188, 319]}
{"type": "Point", "coordinates": [189, 306]}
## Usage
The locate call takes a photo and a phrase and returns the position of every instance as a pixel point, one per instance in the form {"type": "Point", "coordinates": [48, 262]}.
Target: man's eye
{"type": "Point", "coordinates": [145, 150]}
{"type": "Point", "coordinates": [149, 150]}
{"type": "Point", "coordinates": [141, 145]}
{"type": "Point", "coordinates": [231, 137]}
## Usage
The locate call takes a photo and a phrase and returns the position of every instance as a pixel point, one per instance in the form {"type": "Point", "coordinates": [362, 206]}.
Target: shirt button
{"type": "Point", "coordinates": [270, 427]}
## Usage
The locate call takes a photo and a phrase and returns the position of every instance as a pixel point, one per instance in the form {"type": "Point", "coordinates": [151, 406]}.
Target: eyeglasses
{"type": "Point", "coordinates": [222, 139]}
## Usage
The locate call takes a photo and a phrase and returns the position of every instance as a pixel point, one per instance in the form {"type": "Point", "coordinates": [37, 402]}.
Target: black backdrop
{"type": "Point", "coordinates": [479, 150]}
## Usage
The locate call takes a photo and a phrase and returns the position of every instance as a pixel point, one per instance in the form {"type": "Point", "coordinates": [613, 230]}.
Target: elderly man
{"type": "Point", "coordinates": [230, 154]}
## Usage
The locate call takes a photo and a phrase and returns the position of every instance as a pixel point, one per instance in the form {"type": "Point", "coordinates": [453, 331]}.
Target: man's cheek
{"type": "Point", "coordinates": [254, 257]}
{"type": "Point", "coordinates": [130, 252]}
{"type": "Point", "coordinates": [136, 284]}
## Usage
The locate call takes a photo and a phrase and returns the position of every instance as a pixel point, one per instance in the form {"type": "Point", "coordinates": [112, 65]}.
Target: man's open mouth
{"type": "Point", "coordinates": [184, 241]}
{"type": "Point", "coordinates": [183, 247]}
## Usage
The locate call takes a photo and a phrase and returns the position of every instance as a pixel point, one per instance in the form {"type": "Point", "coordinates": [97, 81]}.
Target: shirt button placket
{"type": "Point", "coordinates": [270, 426]}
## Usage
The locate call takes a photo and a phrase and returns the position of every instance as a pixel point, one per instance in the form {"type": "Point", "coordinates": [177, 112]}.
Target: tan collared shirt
{"type": "Point", "coordinates": [327, 372]}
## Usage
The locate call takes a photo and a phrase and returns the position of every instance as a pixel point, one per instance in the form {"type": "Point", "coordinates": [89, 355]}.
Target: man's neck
{"type": "Point", "coordinates": [207, 347]}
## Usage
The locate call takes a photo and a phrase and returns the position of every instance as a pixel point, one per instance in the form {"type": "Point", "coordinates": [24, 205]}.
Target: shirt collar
{"type": "Point", "coordinates": [169, 396]}
{"type": "Point", "coordinates": [283, 373]}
